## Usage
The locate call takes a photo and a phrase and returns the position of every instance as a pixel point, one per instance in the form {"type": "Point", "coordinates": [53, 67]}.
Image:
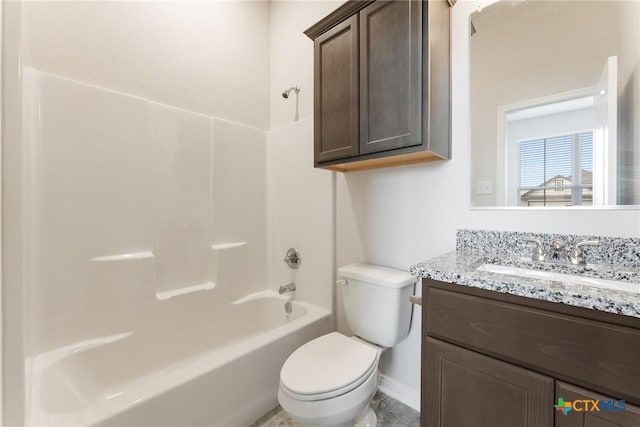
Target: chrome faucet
{"type": "Point", "coordinates": [576, 256]}
{"type": "Point", "coordinates": [539, 253]}
{"type": "Point", "coordinates": [293, 259]}
{"type": "Point", "coordinates": [290, 287]}
{"type": "Point", "coordinates": [559, 252]}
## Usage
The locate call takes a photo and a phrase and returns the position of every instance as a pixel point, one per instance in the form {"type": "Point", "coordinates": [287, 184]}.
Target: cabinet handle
{"type": "Point", "coordinates": [415, 299]}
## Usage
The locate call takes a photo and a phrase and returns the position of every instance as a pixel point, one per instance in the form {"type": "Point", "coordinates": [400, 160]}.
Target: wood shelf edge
{"type": "Point", "coordinates": [383, 162]}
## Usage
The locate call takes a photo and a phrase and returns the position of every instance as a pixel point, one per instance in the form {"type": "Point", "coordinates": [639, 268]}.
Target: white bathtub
{"type": "Point", "coordinates": [187, 362]}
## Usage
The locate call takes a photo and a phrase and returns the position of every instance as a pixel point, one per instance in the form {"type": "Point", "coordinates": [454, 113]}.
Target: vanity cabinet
{"type": "Point", "coordinates": [381, 84]}
{"type": "Point", "coordinates": [476, 390]}
{"type": "Point", "coordinates": [630, 417]}
{"type": "Point", "coordinates": [495, 359]}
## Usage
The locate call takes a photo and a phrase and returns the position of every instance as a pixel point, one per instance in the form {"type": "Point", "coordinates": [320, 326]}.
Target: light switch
{"type": "Point", "coordinates": [484, 187]}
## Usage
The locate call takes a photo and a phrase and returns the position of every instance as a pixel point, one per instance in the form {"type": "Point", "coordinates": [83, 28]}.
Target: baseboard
{"type": "Point", "coordinates": [400, 392]}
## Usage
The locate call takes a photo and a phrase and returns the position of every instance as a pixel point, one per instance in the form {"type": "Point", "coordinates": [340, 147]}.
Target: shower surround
{"type": "Point", "coordinates": [147, 267]}
{"type": "Point", "coordinates": [132, 202]}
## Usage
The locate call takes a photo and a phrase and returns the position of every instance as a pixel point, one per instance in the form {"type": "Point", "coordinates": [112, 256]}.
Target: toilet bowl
{"type": "Point", "coordinates": [330, 381]}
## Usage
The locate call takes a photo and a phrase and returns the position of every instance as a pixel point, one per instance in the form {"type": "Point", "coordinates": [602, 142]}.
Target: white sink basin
{"type": "Point", "coordinates": [559, 277]}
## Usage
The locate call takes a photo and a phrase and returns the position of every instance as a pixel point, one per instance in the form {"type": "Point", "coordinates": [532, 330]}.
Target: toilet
{"type": "Point", "coordinates": [331, 380]}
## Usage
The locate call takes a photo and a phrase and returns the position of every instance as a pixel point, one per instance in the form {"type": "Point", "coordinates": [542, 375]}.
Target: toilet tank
{"type": "Point", "coordinates": [376, 302]}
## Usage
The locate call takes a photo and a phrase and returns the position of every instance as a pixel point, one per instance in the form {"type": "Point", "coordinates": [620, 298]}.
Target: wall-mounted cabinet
{"type": "Point", "coordinates": [382, 84]}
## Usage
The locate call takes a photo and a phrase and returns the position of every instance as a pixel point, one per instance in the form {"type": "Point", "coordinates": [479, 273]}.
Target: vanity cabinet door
{"type": "Point", "coordinates": [390, 75]}
{"type": "Point", "coordinates": [336, 92]}
{"type": "Point", "coordinates": [630, 417]}
{"type": "Point", "coordinates": [462, 388]}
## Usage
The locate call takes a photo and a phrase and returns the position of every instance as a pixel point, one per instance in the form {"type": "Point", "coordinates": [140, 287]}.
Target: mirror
{"type": "Point", "coordinates": [555, 103]}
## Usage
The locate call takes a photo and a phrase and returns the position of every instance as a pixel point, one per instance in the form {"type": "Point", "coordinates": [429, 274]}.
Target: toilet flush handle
{"type": "Point", "coordinates": [341, 282]}
{"type": "Point", "coordinates": [415, 299]}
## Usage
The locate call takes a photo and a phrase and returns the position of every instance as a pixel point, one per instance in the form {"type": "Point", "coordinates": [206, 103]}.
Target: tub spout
{"type": "Point", "coordinates": [287, 288]}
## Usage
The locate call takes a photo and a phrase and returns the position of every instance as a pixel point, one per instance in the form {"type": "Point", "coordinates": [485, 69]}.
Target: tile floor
{"type": "Point", "coordinates": [390, 412]}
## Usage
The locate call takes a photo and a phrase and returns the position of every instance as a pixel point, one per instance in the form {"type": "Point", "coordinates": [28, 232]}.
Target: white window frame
{"type": "Point", "coordinates": [504, 192]}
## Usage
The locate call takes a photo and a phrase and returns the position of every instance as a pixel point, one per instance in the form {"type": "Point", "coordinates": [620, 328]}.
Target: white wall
{"type": "Point", "coordinates": [291, 54]}
{"type": "Point", "coordinates": [300, 198]}
{"type": "Point", "coordinates": [1, 310]}
{"type": "Point", "coordinates": [207, 57]}
{"type": "Point", "coordinates": [403, 215]}
{"type": "Point", "coordinates": [12, 217]}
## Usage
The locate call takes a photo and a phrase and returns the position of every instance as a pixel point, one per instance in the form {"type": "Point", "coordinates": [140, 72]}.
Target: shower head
{"type": "Point", "coordinates": [285, 94]}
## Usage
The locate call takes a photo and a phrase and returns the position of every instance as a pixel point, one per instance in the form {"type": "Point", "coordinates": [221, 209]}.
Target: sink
{"type": "Point", "coordinates": [560, 277]}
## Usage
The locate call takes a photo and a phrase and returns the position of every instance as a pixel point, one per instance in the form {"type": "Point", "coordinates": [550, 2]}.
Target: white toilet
{"type": "Point", "coordinates": [330, 380]}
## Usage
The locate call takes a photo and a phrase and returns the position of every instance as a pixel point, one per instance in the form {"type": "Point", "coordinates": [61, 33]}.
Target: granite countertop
{"type": "Point", "coordinates": [459, 267]}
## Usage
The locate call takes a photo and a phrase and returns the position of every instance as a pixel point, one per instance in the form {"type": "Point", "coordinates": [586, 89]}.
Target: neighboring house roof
{"type": "Point", "coordinates": [564, 194]}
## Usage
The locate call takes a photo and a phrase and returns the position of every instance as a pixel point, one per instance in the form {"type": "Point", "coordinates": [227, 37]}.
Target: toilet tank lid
{"type": "Point", "coordinates": [377, 275]}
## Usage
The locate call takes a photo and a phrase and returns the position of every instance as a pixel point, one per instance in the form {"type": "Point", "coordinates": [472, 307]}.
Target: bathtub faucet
{"type": "Point", "coordinates": [287, 288]}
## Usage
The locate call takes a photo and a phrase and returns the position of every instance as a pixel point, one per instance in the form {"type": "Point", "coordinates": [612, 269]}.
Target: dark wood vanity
{"type": "Point", "coordinates": [382, 84]}
{"type": "Point", "coordinates": [493, 359]}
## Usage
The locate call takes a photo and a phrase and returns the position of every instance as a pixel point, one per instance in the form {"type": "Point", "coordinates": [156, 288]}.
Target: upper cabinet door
{"type": "Point", "coordinates": [390, 75]}
{"type": "Point", "coordinates": [336, 92]}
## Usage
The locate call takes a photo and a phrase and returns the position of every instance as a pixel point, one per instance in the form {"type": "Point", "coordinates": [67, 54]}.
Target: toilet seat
{"type": "Point", "coordinates": [328, 366]}
{"type": "Point", "coordinates": [335, 411]}
{"type": "Point", "coordinates": [333, 393]}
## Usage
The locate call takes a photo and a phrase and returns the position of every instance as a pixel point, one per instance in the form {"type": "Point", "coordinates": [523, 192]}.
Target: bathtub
{"type": "Point", "coordinates": [186, 362]}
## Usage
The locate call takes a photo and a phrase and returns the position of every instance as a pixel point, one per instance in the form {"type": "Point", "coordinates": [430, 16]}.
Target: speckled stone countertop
{"type": "Point", "coordinates": [459, 267]}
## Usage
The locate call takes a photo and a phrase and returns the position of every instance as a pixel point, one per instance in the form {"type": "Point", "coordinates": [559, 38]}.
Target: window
{"type": "Point", "coordinates": [557, 171]}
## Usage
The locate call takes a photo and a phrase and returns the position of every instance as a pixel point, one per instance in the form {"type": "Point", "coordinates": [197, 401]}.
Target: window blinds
{"type": "Point", "coordinates": [546, 158]}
